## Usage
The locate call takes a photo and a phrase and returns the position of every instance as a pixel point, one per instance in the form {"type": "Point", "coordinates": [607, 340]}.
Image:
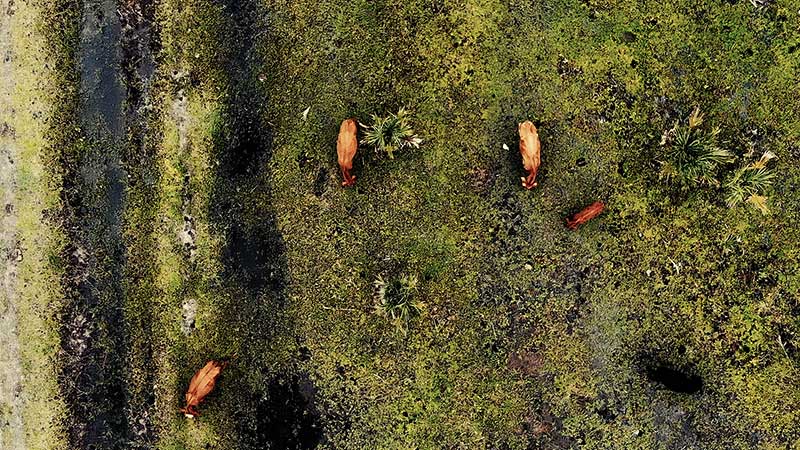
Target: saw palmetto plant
{"type": "Point", "coordinates": [748, 183]}
{"type": "Point", "coordinates": [397, 299]}
{"type": "Point", "coordinates": [391, 133]}
{"type": "Point", "coordinates": [692, 153]}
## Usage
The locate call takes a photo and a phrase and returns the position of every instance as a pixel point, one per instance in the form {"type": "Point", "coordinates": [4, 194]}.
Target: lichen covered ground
{"type": "Point", "coordinates": [168, 203]}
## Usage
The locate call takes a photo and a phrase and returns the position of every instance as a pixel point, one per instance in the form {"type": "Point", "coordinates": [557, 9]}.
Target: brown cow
{"type": "Point", "coordinates": [201, 385]}
{"type": "Point", "coordinates": [530, 148]}
{"type": "Point", "coordinates": [586, 214]}
{"type": "Point", "coordinates": [346, 147]}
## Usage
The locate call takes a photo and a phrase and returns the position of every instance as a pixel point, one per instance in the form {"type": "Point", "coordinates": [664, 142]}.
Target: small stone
{"type": "Point", "coordinates": [528, 267]}
{"type": "Point", "coordinates": [189, 313]}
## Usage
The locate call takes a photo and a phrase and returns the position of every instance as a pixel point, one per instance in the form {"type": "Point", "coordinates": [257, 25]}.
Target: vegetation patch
{"type": "Point", "coordinates": [397, 300]}
{"type": "Point", "coordinates": [694, 155]}
{"type": "Point", "coordinates": [391, 133]}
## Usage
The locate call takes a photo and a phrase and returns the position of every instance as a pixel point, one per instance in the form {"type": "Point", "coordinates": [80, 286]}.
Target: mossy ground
{"type": "Point", "coordinates": [532, 336]}
{"type": "Point", "coordinates": [34, 87]}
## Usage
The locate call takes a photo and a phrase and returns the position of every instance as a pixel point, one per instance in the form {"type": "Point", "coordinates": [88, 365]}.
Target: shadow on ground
{"type": "Point", "coordinates": [274, 407]}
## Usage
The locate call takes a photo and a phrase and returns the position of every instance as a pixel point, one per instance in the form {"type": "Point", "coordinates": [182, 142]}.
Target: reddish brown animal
{"type": "Point", "coordinates": [531, 150]}
{"type": "Point", "coordinates": [201, 385]}
{"type": "Point", "coordinates": [587, 214]}
{"type": "Point", "coordinates": [346, 148]}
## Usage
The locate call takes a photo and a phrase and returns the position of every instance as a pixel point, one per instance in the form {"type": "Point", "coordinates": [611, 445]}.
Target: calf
{"type": "Point", "coordinates": [586, 214]}
{"type": "Point", "coordinates": [201, 385]}
{"type": "Point", "coordinates": [530, 148]}
{"type": "Point", "coordinates": [346, 147]}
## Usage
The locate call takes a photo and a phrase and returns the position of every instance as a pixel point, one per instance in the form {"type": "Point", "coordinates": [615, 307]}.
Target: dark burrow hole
{"type": "Point", "coordinates": [607, 414]}
{"type": "Point", "coordinates": [302, 160]}
{"type": "Point", "coordinates": [621, 168]}
{"type": "Point", "coordinates": [628, 37]}
{"type": "Point", "coordinates": [305, 353]}
{"type": "Point", "coordinates": [785, 340]}
{"type": "Point", "coordinates": [675, 380]}
{"type": "Point", "coordinates": [286, 417]}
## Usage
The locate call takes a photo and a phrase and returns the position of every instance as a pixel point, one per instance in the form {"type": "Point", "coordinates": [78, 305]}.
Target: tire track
{"type": "Point", "coordinates": [94, 188]}
{"type": "Point", "coordinates": [279, 410]}
{"type": "Point", "coordinates": [107, 373]}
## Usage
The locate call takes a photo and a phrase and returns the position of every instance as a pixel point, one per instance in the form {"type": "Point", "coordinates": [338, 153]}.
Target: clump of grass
{"type": "Point", "coordinates": [397, 299]}
{"type": "Point", "coordinates": [748, 183]}
{"type": "Point", "coordinates": [390, 134]}
{"type": "Point", "coordinates": [693, 154]}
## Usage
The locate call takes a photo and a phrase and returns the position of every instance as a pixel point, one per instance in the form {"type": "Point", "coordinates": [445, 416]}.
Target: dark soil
{"type": "Point", "coordinates": [116, 67]}
{"type": "Point", "coordinates": [285, 417]}
{"type": "Point", "coordinates": [91, 377]}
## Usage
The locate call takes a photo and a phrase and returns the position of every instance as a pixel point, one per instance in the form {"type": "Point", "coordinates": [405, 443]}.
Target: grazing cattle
{"type": "Point", "coordinates": [587, 214]}
{"type": "Point", "coordinates": [201, 385]}
{"type": "Point", "coordinates": [530, 148]}
{"type": "Point", "coordinates": [346, 147]}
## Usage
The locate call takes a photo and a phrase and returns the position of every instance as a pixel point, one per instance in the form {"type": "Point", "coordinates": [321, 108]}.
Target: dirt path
{"type": "Point", "coordinates": [11, 425]}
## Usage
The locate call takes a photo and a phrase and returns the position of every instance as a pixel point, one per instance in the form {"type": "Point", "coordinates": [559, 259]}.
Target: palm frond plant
{"type": "Point", "coordinates": [390, 134]}
{"type": "Point", "coordinates": [760, 4]}
{"type": "Point", "coordinates": [397, 300]}
{"type": "Point", "coordinates": [748, 183]}
{"type": "Point", "coordinates": [692, 153]}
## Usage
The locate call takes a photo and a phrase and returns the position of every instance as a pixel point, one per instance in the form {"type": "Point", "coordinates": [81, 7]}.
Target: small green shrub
{"type": "Point", "coordinates": [692, 155]}
{"type": "Point", "coordinates": [391, 133]}
{"type": "Point", "coordinates": [397, 299]}
{"type": "Point", "coordinates": [748, 183]}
